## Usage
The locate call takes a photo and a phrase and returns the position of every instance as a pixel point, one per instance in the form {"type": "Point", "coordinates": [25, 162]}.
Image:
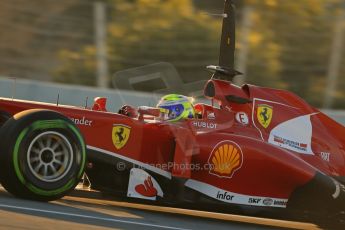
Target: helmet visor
{"type": "Point", "coordinates": [174, 111]}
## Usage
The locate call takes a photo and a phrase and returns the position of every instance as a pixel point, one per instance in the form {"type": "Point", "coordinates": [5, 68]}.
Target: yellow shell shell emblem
{"type": "Point", "coordinates": [264, 115]}
{"type": "Point", "coordinates": [225, 159]}
{"type": "Point", "coordinates": [120, 135]}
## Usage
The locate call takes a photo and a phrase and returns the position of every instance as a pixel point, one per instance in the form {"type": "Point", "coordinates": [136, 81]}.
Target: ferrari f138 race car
{"type": "Point", "coordinates": [251, 146]}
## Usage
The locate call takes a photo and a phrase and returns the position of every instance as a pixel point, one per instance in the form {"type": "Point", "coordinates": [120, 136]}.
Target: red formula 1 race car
{"type": "Point", "coordinates": [252, 146]}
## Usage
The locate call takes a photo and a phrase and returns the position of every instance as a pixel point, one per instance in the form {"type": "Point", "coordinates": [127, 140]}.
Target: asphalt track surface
{"type": "Point", "coordinates": [88, 210]}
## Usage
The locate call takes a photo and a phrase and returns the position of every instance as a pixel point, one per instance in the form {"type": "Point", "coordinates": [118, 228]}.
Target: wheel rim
{"type": "Point", "coordinates": [50, 156]}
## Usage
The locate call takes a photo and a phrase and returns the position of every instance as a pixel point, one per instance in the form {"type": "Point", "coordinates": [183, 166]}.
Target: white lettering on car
{"type": "Point", "coordinates": [82, 121]}
{"type": "Point", "coordinates": [325, 156]}
{"type": "Point", "coordinates": [242, 117]}
{"type": "Point", "coordinates": [203, 124]}
{"type": "Point", "coordinates": [211, 116]}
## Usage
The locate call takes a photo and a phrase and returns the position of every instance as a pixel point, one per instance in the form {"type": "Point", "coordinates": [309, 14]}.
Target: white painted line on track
{"type": "Point", "coordinates": [90, 217]}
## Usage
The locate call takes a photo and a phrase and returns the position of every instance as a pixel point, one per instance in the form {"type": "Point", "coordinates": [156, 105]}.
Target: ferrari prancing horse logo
{"type": "Point", "coordinates": [120, 135]}
{"type": "Point", "coordinates": [264, 115]}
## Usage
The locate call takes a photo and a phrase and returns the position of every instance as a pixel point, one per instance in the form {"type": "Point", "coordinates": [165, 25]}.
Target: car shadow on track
{"type": "Point", "coordinates": [84, 214]}
{"type": "Point", "coordinates": [60, 213]}
{"type": "Point", "coordinates": [320, 221]}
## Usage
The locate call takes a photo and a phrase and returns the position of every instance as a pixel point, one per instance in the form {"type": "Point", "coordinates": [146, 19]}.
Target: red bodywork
{"type": "Point", "coordinates": [261, 136]}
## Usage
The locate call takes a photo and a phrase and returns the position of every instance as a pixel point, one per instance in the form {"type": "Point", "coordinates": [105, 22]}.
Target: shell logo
{"type": "Point", "coordinates": [225, 159]}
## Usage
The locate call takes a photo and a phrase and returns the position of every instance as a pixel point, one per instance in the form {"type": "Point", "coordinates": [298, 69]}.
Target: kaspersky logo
{"type": "Point", "coordinates": [225, 159]}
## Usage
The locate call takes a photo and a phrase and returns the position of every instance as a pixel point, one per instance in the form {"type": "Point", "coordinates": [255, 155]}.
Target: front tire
{"type": "Point", "coordinates": [42, 155]}
{"type": "Point", "coordinates": [4, 116]}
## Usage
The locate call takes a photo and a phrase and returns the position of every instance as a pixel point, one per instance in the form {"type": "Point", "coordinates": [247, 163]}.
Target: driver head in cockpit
{"type": "Point", "coordinates": [177, 107]}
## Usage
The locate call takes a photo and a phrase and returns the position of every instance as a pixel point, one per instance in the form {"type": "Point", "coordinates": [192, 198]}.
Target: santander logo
{"type": "Point", "coordinates": [147, 189]}
{"type": "Point", "coordinates": [143, 186]}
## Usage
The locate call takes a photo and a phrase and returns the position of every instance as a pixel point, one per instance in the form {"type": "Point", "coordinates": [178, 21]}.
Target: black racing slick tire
{"type": "Point", "coordinates": [4, 116]}
{"type": "Point", "coordinates": [42, 155]}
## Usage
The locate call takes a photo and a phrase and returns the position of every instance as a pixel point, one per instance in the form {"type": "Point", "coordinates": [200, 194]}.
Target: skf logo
{"type": "Point", "coordinates": [225, 159]}
{"type": "Point", "coordinates": [120, 135]}
{"type": "Point", "coordinates": [254, 200]}
{"type": "Point", "coordinates": [264, 115]}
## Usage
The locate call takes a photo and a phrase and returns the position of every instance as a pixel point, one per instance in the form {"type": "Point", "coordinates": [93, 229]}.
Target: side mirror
{"type": "Point", "coordinates": [151, 111]}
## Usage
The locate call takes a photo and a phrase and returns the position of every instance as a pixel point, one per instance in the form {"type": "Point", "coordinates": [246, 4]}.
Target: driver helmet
{"type": "Point", "coordinates": [177, 107]}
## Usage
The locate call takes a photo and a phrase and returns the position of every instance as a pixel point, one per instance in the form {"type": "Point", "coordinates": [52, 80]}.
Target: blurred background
{"type": "Point", "coordinates": [292, 45]}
